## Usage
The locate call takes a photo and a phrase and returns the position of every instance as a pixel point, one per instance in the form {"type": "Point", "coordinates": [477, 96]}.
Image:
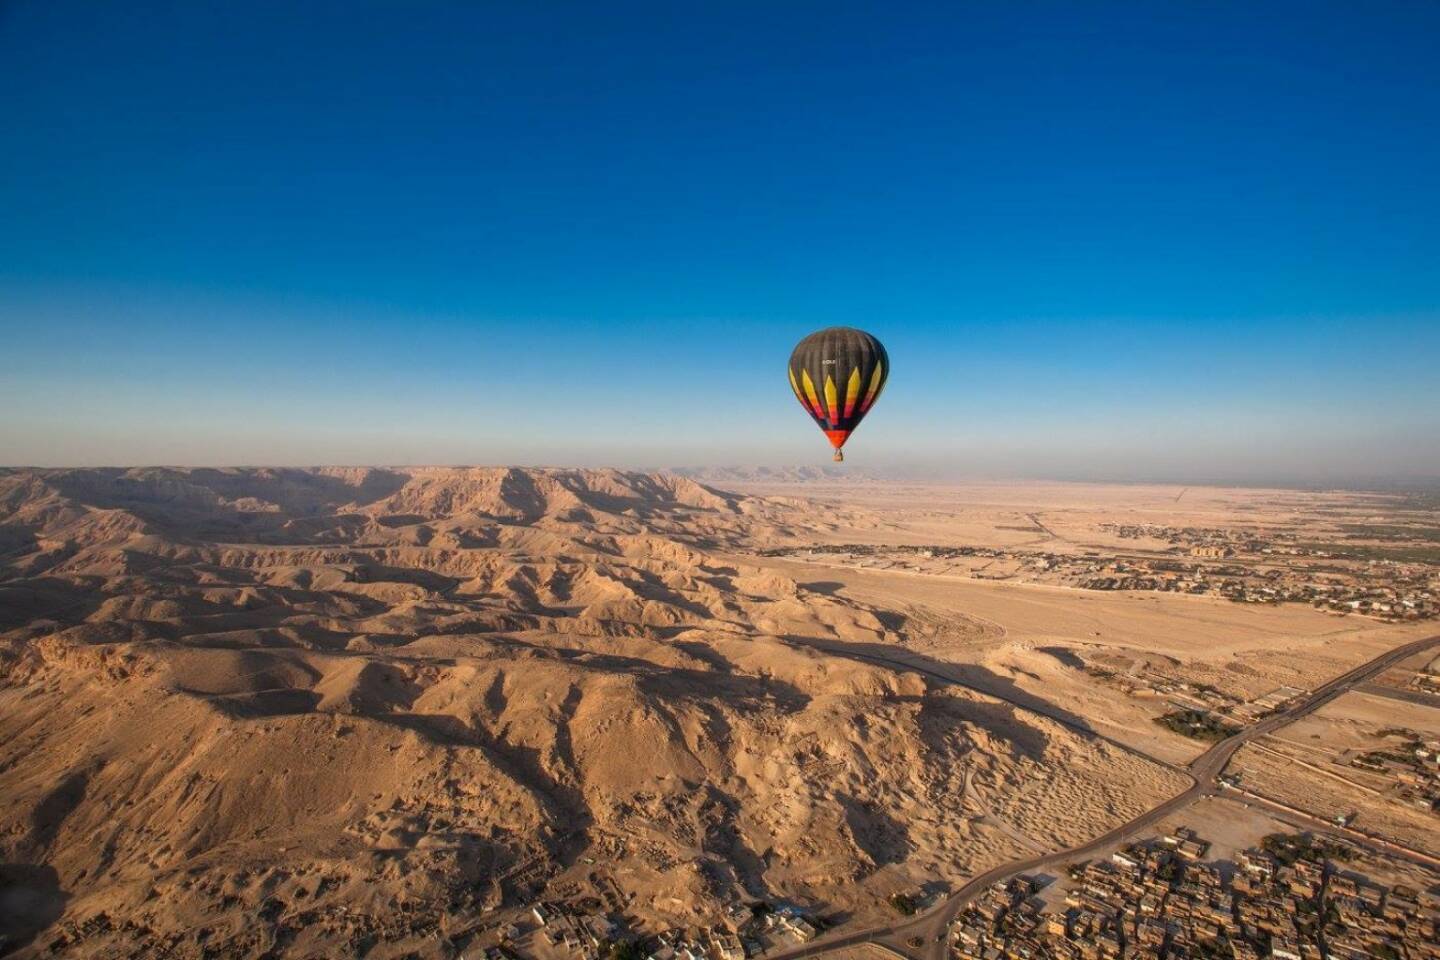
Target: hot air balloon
{"type": "Point", "coordinates": [837, 375]}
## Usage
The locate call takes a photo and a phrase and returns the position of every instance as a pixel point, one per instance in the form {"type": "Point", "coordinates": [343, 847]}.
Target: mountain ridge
{"type": "Point", "coordinates": [320, 695]}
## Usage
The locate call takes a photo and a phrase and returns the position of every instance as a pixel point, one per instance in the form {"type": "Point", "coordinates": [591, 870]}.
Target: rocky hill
{"type": "Point", "coordinates": [371, 706]}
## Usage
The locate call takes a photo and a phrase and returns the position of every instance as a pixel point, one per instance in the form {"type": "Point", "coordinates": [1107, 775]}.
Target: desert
{"type": "Point", "coordinates": [715, 481]}
{"type": "Point", "coordinates": [390, 711]}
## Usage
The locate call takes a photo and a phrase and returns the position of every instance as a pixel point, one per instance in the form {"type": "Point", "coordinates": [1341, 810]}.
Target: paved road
{"type": "Point", "coordinates": [931, 926]}
{"type": "Point", "coordinates": [1407, 696]}
{"type": "Point", "coordinates": [1035, 519]}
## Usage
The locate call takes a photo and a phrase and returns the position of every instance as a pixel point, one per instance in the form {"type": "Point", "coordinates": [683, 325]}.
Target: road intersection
{"type": "Point", "coordinates": [929, 928]}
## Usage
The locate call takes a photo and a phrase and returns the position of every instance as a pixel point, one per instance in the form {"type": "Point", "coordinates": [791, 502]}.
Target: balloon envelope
{"type": "Point", "coordinates": [837, 375]}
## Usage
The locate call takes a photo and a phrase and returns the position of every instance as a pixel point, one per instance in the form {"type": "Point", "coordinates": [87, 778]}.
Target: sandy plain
{"type": "Point", "coordinates": [384, 710]}
{"type": "Point", "coordinates": [1307, 766]}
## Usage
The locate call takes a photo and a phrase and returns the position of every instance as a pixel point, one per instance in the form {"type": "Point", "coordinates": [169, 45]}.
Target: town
{"type": "Point", "coordinates": [1293, 898]}
{"type": "Point", "coordinates": [560, 929]}
{"type": "Point", "coordinates": [1383, 589]}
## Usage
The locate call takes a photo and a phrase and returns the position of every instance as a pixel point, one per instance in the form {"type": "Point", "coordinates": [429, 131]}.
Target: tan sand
{"type": "Point", "coordinates": [386, 709]}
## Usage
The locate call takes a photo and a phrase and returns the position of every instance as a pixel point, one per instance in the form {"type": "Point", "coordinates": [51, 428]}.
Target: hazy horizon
{"type": "Point", "coordinates": [807, 472]}
{"type": "Point", "coordinates": [1119, 243]}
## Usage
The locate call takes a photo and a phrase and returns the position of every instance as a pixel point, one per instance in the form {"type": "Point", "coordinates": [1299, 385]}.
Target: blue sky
{"type": "Point", "coordinates": [1131, 240]}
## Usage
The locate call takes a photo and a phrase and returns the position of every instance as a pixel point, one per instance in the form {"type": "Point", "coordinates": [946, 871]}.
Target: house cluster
{"type": "Point", "coordinates": [582, 935]}
{"type": "Point", "coordinates": [1140, 577]}
{"type": "Point", "coordinates": [1412, 765]}
{"type": "Point", "coordinates": [1384, 603]}
{"type": "Point", "coordinates": [1382, 589]}
{"type": "Point", "coordinates": [1181, 694]}
{"type": "Point", "coordinates": [1385, 592]}
{"type": "Point", "coordinates": [1426, 682]}
{"type": "Point", "coordinates": [1161, 901]}
{"type": "Point", "coordinates": [931, 552]}
{"type": "Point", "coordinates": [786, 924]}
{"type": "Point", "coordinates": [744, 931]}
{"type": "Point", "coordinates": [1203, 712]}
{"type": "Point", "coordinates": [1195, 702]}
{"type": "Point", "coordinates": [694, 945]}
{"type": "Point", "coordinates": [1210, 541]}
{"type": "Point", "coordinates": [1263, 706]}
